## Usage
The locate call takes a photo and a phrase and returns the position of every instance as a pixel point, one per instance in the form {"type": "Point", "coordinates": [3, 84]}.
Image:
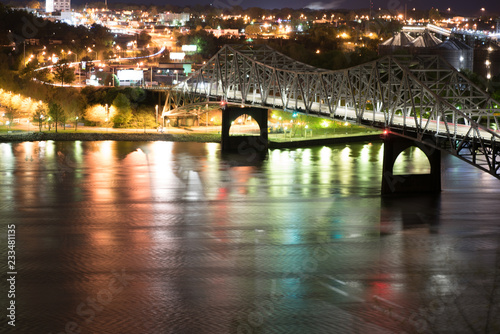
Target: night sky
{"type": "Point", "coordinates": [462, 7]}
{"type": "Point", "coordinates": [459, 6]}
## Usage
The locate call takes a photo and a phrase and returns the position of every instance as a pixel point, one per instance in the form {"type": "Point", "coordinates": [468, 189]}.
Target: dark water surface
{"type": "Point", "coordinates": [162, 237]}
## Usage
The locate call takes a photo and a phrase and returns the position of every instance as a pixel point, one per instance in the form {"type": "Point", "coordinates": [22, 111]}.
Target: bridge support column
{"type": "Point", "coordinates": [412, 183]}
{"type": "Point", "coordinates": [244, 144]}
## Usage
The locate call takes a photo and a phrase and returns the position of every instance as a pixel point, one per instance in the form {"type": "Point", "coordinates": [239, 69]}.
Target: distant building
{"type": "Point", "coordinates": [173, 18]}
{"type": "Point", "coordinates": [57, 6]}
{"type": "Point", "coordinates": [455, 52]}
{"type": "Point", "coordinates": [400, 41]}
{"type": "Point", "coordinates": [135, 24]}
{"type": "Point", "coordinates": [130, 77]}
{"type": "Point", "coordinates": [426, 40]}
{"type": "Point", "coordinates": [32, 41]}
{"type": "Point", "coordinates": [223, 32]}
{"type": "Point", "coordinates": [487, 60]}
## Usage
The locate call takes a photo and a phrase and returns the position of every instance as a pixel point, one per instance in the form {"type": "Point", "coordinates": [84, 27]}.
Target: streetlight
{"type": "Point", "coordinates": [76, 123]}
{"type": "Point", "coordinates": [40, 122]}
{"type": "Point", "coordinates": [346, 126]}
{"type": "Point", "coordinates": [76, 55]}
{"type": "Point", "coordinates": [76, 61]}
{"type": "Point", "coordinates": [156, 119]}
{"type": "Point", "coordinates": [90, 50]}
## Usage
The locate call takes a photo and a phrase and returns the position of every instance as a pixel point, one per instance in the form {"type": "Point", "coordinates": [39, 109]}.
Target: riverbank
{"type": "Point", "coordinates": [84, 136]}
{"type": "Point", "coordinates": [179, 137]}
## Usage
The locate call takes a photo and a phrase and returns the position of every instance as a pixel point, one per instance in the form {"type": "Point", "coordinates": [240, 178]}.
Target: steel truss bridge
{"type": "Point", "coordinates": [421, 98]}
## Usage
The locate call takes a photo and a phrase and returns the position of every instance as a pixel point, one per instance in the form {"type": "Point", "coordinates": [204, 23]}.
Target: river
{"type": "Point", "coordinates": [165, 237]}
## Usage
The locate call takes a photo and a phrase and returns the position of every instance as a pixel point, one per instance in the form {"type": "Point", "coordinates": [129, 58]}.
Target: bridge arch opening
{"type": "Point", "coordinates": [244, 125]}
{"type": "Point", "coordinates": [413, 161]}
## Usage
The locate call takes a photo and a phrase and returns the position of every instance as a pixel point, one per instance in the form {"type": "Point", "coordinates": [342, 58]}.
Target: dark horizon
{"type": "Point", "coordinates": [464, 8]}
{"type": "Point", "coordinates": [457, 7]}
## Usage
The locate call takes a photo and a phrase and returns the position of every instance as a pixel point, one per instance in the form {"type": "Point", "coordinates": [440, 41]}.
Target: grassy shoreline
{"type": "Point", "coordinates": [179, 137]}
{"type": "Point", "coordinates": [96, 136]}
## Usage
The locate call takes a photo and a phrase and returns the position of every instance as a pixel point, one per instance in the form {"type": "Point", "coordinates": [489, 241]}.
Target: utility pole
{"type": "Point", "coordinates": [79, 72]}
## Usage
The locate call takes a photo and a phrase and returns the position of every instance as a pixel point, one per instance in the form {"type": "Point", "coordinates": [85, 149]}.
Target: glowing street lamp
{"type": "Point", "coordinates": [76, 55]}
{"type": "Point", "coordinates": [90, 50]}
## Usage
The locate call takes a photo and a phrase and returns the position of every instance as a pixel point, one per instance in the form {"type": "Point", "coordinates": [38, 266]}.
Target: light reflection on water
{"type": "Point", "coordinates": [205, 236]}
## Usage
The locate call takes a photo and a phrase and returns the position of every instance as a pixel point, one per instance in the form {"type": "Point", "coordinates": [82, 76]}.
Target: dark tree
{"type": "Point", "coordinates": [64, 73]}
{"type": "Point", "coordinates": [39, 116]}
{"type": "Point", "coordinates": [55, 112]}
{"type": "Point", "coordinates": [124, 111]}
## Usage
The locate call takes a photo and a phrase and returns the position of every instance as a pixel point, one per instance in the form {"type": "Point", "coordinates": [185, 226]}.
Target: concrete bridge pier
{"type": "Point", "coordinates": [411, 183]}
{"type": "Point", "coordinates": [252, 145]}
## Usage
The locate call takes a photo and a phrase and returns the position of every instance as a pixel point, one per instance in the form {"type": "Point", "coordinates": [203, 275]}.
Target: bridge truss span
{"type": "Point", "coordinates": [423, 98]}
